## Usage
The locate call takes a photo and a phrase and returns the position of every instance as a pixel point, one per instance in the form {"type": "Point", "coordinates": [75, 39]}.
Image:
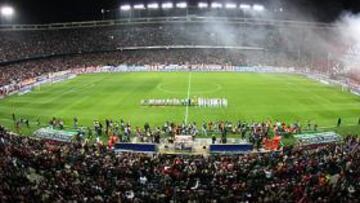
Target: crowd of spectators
{"type": "Point", "coordinates": [27, 44]}
{"type": "Point", "coordinates": [276, 46]}
{"type": "Point", "coordinates": [15, 45]}
{"type": "Point", "coordinates": [16, 72]}
{"type": "Point", "coordinates": [34, 170]}
{"type": "Point", "coordinates": [354, 75]}
{"type": "Point", "coordinates": [42, 171]}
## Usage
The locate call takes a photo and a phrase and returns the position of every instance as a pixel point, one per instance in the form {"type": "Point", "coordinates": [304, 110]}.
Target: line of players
{"type": "Point", "coordinates": [201, 102]}
{"type": "Point", "coordinates": [212, 102]}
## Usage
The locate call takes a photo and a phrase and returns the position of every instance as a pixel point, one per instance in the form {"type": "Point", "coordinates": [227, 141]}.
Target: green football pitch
{"type": "Point", "coordinates": [251, 97]}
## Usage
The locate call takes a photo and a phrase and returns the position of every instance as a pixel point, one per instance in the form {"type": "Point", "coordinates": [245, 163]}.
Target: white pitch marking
{"type": "Point", "coordinates": [218, 88]}
{"type": "Point", "coordinates": [188, 97]}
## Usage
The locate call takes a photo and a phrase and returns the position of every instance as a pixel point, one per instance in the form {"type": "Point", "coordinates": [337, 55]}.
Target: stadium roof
{"type": "Point", "coordinates": [44, 11]}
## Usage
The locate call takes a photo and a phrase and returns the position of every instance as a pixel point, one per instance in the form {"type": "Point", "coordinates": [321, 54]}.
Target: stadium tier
{"type": "Point", "coordinates": [19, 43]}
{"type": "Point", "coordinates": [248, 42]}
{"type": "Point", "coordinates": [50, 171]}
{"type": "Point", "coordinates": [178, 109]}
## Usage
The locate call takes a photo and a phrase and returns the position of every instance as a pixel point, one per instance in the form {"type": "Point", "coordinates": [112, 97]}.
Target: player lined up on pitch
{"type": "Point", "coordinates": [200, 102]}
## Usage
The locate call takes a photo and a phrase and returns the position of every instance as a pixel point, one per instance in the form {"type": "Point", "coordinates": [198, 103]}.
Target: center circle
{"type": "Point", "coordinates": [211, 88]}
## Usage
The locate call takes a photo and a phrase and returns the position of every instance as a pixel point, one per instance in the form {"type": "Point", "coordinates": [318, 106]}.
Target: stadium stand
{"type": "Point", "coordinates": [16, 72]}
{"type": "Point", "coordinates": [258, 43]}
{"type": "Point", "coordinates": [36, 170]}
{"type": "Point", "coordinates": [19, 44]}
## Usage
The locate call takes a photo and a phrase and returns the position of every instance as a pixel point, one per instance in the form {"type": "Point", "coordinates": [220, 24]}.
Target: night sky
{"type": "Point", "coordinates": [47, 11]}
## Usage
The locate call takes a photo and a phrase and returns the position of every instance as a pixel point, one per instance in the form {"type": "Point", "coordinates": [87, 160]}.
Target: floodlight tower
{"type": "Point", "coordinates": [153, 6]}
{"type": "Point", "coordinates": [230, 6]}
{"type": "Point", "coordinates": [184, 6]}
{"type": "Point", "coordinates": [126, 9]}
{"type": "Point", "coordinates": [167, 5]}
{"type": "Point", "coordinates": [258, 7]}
{"type": "Point", "coordinates": [244, 9]}
{"type": "Point", "coordinates": [139, 7]}
{"type": "Point", "coordinates": [216, 5]}
{"type": "Point", "coordinates": [181, 5]}
{"type": "Point", "coordinates": [203, 5]}
{"type": "Point", "coordinates": [104, 12]}
{"type": "Point", "coordinates": [7, 13]}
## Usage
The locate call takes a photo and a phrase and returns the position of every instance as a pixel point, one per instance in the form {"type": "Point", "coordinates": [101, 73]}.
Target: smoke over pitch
{"type": "Point", "coordinates": [349, 35]}
{"type": "Point", "coordinates": [331, 47]}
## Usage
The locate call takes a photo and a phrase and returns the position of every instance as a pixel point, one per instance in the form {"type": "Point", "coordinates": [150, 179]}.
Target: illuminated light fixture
{"type": "Point", "coordinates": [139, 7]}
{"type": "Point", "coordinates": [257, 7]}
{"type": "Point", "coordinates": [7, 11]}
{"type": "Point", "coordinates": [153, 6]}
{"type": "Point", "coordinates": [181, 5]}
{"type": "Point", "coordinates": [230, 6]}
{"type": "Point", "coordinates": [245, 6]}
{"type": "Point", "coordinates": [167, 5]}
{"type": "Point", "coordinates": [125, 7]}
{"type": "Point", "coordinates": [203, 5]}
{"type": "Point", "coordinates": [216, 5]}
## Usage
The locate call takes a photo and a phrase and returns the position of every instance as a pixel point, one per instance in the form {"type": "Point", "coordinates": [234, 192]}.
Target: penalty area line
{"type": "Point", "coordinates": [188, 97]}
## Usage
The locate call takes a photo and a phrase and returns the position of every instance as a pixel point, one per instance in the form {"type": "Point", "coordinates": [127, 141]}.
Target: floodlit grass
{"type": "Point", "coordinates": [251, 97]}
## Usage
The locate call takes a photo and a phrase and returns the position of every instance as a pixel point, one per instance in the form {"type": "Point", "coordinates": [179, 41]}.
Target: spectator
{"type": "Point", "coordinates": [46, 172]}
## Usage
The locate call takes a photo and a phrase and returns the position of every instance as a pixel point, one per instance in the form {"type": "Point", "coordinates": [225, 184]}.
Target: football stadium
{"type": "Point", "coordinates": [180, 101]}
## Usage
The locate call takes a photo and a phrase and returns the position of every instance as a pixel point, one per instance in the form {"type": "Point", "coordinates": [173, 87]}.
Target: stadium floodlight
{"type": "Point", "coordinates": [125, 7]}
{"type": "Point", "coordinates": [139, 7]}
{"type": "Point", "coordinates": [181, 5]}
{"type": "Point", "coordinates": [216, 5]}
{"type": "Point", "coordinates": [167, 5]}
{"type": "Point", "coordinates": [203, 5]}
{"type": "Point", "coordinates": [230, 6]}
{"type": "Point", "coordinates": [245, 6]}
{"type": "Point", "coordinates": [7, 11]}
{"type": "Point", "coordinates": [258, 7]}
{"type": "Point", "coordinates": [153, 6]}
